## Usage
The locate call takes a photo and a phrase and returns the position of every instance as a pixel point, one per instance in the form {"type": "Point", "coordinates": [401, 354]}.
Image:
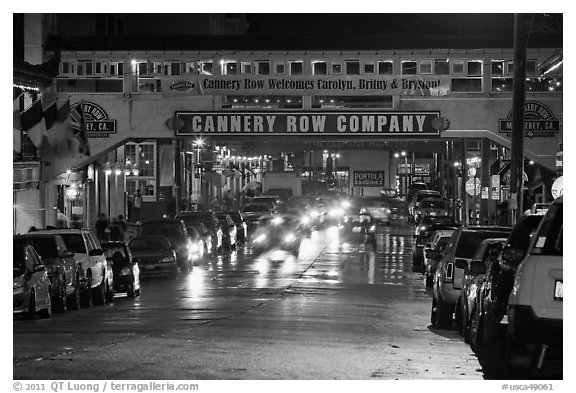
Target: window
{"type": "Point", "coordinates": [475, 68]}
{"type": "Point", "coordinates": [296, 67]}
{"type": "Point", "coordinates": [89, 85]}
{"type": "Point", "coordinates": [442, 67]}
{"type": "Point", "coordinates": [497, 67]}
{"type": "Point", "coordinates": [425, 66]}
{"type": "Point", "coordinates": [263, 67]}
{"type": "Point", "coordinates": [229, 67]}
{"type": "Point", "coordinates": [142, 67]}
{"type": "Point", "coordinates": [116, 68]}
{"type": "Point", "coordinates": [206, 67]}
{"type": "Point", "coordinates": [101, 68]}
{"type": "Point", "coordinates": [143, 156]}
{"type": "Point", "coordinates": [531, 67]}
{"type": "Point", "coordinates": [84, 68]}
{"type": "Point", "coordinates": [457, 67]}
{"type": "Point", "coordinates": [336, 68]}
{"type": "Point", "coordinates": [68, 68]}
{"type": "Point", "coordinates": [173, 68]}
{"type": "Point", "coordinates": [279, 68]}
{"type": "Point", "coordinates": [409, 68]}
{"type": "Point", "coordinates": [246, 67]}
{"type": "Point", "coordinates": [191, 67]}
{"type": "Point", "coordinates": [385, 68]}
{"type": "Point", "coordinates": [319, 68]}
{"type": "Point", "coordinates": [369, 68]}
{"type": "Point", "coordinates": [466, 85]}
{"type": "Point", "coordinates": [352, 67]}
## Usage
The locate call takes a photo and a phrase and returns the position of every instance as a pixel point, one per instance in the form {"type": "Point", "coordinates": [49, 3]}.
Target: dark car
{"type": "Point", "coordinates": [487, 327]}
{"type": "Point", "coordinates": [203, 233]}
{"type": "Point", "coordinates": [61, 266]}
{"type": "Point", "coordinates": [155, 255]}
{"type": "Point", "coordinates": [125, 267]}
{"type": "Point", "coordinates": [423, 238]}
{"type": "Point", "coordinates": [430, 207]}
{"type": "Point", "coordinates": [210, 221]}
{"type": "Point", "coordinates": [30, 285]}
{"type": "Point", "coordinates": [358, 228]}
{"type": "Point", "coordinates": [277, 233]}
{"type": "Point", "coordinates": [175, 231]}
{"type": "Point", "coordinates": [252, 213]}
{"type": "Point", "coordinates": [241, 226]}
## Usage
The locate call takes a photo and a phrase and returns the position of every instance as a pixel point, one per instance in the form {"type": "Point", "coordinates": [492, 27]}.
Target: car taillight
{"type": "Point", "coordinates": [449, 272]}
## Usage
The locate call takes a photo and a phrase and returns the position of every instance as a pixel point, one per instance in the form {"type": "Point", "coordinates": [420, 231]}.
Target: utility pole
{"type": "Point", "coordinates": [518, 97]}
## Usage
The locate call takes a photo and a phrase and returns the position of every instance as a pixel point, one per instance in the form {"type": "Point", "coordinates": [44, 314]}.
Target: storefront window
{"type": "Point", "coordinates": [143, 156]}
{"type": "Point", "coordinates": [89, 85]}
{"type": "Point", "coordinates": [466, 85]}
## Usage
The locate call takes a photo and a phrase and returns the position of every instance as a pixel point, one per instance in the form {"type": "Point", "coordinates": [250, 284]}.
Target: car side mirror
{"type": "Point", "coordinates": [96, 252]}
{"type": "Point", "coordinates": [461, 264]}
{"type": "Point", "coordinates": [38, 268]}
{"type": "Point", "coordinates": [477, 267]}
{"type": "Point", "coordinates": [67, 254]}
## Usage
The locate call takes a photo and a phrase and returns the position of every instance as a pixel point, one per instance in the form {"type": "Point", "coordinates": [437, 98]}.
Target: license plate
{"type": "Point", "coordinates": [558, 289]}
{"type": "Point", "coordinates": [356, 229]}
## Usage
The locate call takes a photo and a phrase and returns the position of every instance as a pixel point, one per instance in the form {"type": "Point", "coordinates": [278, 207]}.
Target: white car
{"type": "Point", "coordinates": [98, 285]}
{"type": "Point", "coordinates": [535, 305]}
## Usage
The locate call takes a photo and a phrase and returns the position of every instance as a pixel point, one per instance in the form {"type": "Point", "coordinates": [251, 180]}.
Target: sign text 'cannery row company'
{"type": "Point", "coordinates": [333, 123]}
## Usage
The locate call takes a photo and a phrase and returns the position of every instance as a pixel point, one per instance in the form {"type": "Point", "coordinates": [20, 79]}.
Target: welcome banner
{"type": "Point", "coordinates": [398, 85]}
{"type": "Point", "coordinates": [391, 124]}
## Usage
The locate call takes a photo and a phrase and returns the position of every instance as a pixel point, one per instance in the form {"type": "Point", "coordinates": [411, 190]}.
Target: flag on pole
{"type": "Point", "coordinates": [32, 121]}
{"type": "Point", "coordinates": [58, 126]}
{"type": "Point", "coordinates": [17, 130]}
{"type": "Point", "coordinates": [79, 126]}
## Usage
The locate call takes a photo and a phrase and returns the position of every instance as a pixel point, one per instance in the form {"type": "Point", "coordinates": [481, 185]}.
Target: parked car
{"type": "Point", "coordinates": [210, 221]}
{"type": "Point", "coordinates": [98, 286]}
{"type": "Point", "coordinates": [377, 208]}
{"type": "Point", "coordinates": [61, 266]}
{"type": "Point", "coordinates": [241, 226]}
{"type": "Point", "coordinates": [423, 238]}
{"type": "Point", "coordinates": [196, 247]}
{"type": "Point", "coordinates": [425, 222]}
{"type": "Point", "coordinates": [228, 229]}
{"type": "Point", "coordinates": [204, 234]}
{"type": "Point", "coordinates": [358, 229]}
{"type": "Point", "coordinates": [434, 252]}
{"type": "Point", "coordinates": [155, 255]}
{"type": "Point", "coordinates": [448, 277]}
{"type": "Point", "coordinates": [487, 329]}
{"type": "Point", "coordinates": [418, 196]}
{"type": "Point", "coordinates": [175, 231]}
{"type": "Point", "coordinates": [415, 187]}
{"type": "Point", "coordinates": [487, 251]}
{"type": "Point", "coordinates": [125, 267]}
{"type": "Point", "coordinates": [535, 304]}
{"type": "Point", "coordinates": [31, 285]}
{"type": "Point", "coordinates": [431, 207]}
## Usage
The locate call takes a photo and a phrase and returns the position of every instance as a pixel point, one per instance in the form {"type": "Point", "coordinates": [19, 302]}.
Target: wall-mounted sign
{"type": "Point", "coordinates": [391, 124]}
{"type": "Point", "coordinates": [368, 179]}
{"type": "Point", "coordinates": [539, 121]}
{"type": "Point", "coordinates": [399, 85]}
{"type": "Point", "coordinates": [96, 120]}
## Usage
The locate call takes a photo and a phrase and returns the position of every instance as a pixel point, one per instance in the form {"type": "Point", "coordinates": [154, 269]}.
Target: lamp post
{"type": "Point", "coordinates": [405, 155]}
{"type": "Point", "coordinates": [198, 144]}
{"type": "Point", "coordinates": [107, 173]}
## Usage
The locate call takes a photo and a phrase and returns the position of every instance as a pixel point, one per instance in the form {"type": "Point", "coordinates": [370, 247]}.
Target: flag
{"type": "Point", "coordinates": [79, 126]}
{"type": "Point", "coordinates": [58, 127]}
{"type": "Point", "coordinates": [32, 121]}
{"type": "Point", "coordinates": [17, 135]}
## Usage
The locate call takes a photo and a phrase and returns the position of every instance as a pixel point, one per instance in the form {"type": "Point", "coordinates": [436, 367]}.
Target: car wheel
{"type": "Point", "coordinates": [109, 293]}
{"type": "Point", "coordinates": [74, 297]}
{"type": "Point", "coordinates": [59, 302]}
{"type": "Point", "coordinates": [47, 312]}
{"type": "Point", "coordinates": [99, 293]}
{"type": "Point", "coordinates": [443, 314]}
{"type": "Point", "coordinates": [31, 306]}
{"type": "Point", "coordinates": [86, 295]}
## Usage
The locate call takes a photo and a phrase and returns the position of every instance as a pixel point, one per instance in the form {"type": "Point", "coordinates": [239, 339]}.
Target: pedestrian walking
{"type": "Point", "coordinates": [137, 206]}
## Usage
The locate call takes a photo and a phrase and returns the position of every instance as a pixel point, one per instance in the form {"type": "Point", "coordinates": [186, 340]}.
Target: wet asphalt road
{"type": "Point", "coordinates": [336, 312]}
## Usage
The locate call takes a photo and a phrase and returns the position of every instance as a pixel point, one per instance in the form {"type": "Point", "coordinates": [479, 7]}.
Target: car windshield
{"type": "Point", "coordinates": [44, 246]}
{"type": "Point", "coordinates": [421, 196]}
{"type": "Point", "coordinates": [168, 229]}
{"type": "Point", "coordinates": [470, 240]}
{"type": "Point", "coordinates": [149, 245]}
{"type": "Point", "coordinates": [255, 208]}
{"type": "Point", "coordinates": [74, 242]}
{"type": "Point", "coordinates": [430, 204]}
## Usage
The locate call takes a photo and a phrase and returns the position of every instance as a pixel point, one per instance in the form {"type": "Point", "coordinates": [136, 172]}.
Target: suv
{"type": "Point", "coordinates": [175, 230]}
{"type": "Point", "coordinates": [65, 276]}
{"type": "Point", "coordinates": [209, 220]}
{"type": "Point", "coordinates": [418, 196]}
{"type": "Point", "coordinates": [98, 282]}
{"type": "Point", "coordinates": [449, 272]}
{"type": "Point", "coordinates": [488, 327]}
{"type": "Point", "coordinates": [535, 320]}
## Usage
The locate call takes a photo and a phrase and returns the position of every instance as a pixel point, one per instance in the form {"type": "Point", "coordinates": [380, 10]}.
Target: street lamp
{"type": "Point", "coordinates": [107, 173]}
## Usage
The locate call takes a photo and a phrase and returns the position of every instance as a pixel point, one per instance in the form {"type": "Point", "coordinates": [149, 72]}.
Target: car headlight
{"type": "Point", "coordinates": [260, 238]}
{"type": "Point", "coordinates": [277, 220]}
{"type": "Point", "coordinates": [167, 260]}
{"type": "Point", "coordinates": [194, 247]}
{"type": "Point", "coordinates": [289, 238]}
{"type": "Point", "coordinates": [305, 220]}
{"type": "Point", "coordinates": [19, 282]}
{"type": "Point", "coordinates": [373, 228]}
{"type": "Point", "coordinates": [346, 204]}
{"type": "Point", "coordinates": [314, 213]}
{"type": "Point", "coordinates": [125, 271]}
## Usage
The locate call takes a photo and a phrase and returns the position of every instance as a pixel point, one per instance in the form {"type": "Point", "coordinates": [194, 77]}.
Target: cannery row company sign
{"type": "Point", "coordinates": [391, 124]}
{"type": "Point", "coordinates": [368, 179]}
{"type": "Point", "coordinates": [309, 85]}
{"type": "Point", "coordinates": [95, 120]}
{"type": "Point", "coordinates": [539, 121]}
